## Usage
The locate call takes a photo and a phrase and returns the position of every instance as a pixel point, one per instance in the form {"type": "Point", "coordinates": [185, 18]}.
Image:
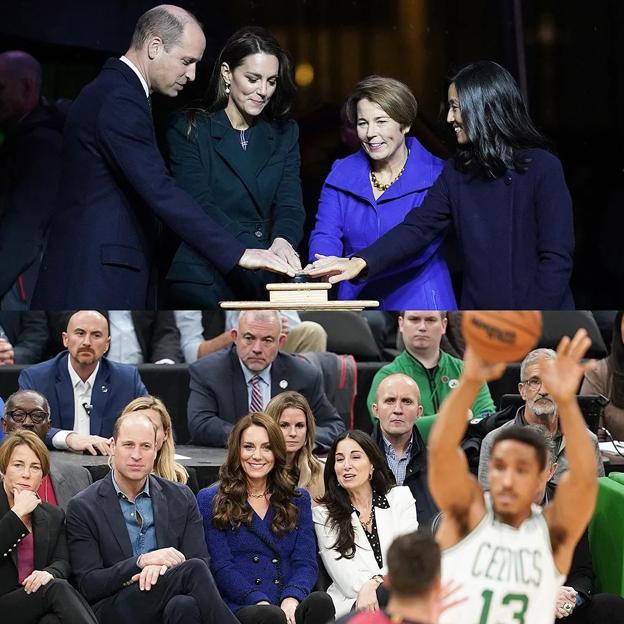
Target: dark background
{"type": "Point", "coordinates": [566, 56]}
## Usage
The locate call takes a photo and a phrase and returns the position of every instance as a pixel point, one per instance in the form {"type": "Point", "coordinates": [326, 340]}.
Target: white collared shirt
{"type": "Point", "coordinates": [82, 396]}
{"type": "Point", "coordinates": [124, 346]}
{"type": "Point", "coordinates": [133, 67]}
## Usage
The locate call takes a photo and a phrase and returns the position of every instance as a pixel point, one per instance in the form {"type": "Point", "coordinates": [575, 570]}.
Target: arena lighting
{"type": "Point", "coordinates": [304, 74]}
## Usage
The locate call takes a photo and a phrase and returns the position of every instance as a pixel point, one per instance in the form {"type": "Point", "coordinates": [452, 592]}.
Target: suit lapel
{"type": "Point", "coordinates": [110, 508]}
{"type": "Point", "coordinates": [280, 381]}
{"type": "Point", "coordinates": [385, 528]}
{"type": "Point", "coordinates": [260, 528]}
{"type": "Point", "coordinates": [99, 397]}
{"type": "Point", "coordinates": [61, 488]}
{"type": "Point", "coordinates": [240, 396]}
{"type": "Point", "coordinates": [41, 536]}
{"type": "Point", "coordinates": [64, 396]}
{"type": "Point", "coordinates": [161, 514]}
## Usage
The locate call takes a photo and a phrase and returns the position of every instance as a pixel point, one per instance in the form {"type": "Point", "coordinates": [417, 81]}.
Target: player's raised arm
{"type": "Point", "coordinates": [574, 500]}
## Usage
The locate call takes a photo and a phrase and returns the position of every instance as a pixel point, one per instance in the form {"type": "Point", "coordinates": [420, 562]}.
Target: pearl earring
{"type": "Point", "coordinates": [227, 88]}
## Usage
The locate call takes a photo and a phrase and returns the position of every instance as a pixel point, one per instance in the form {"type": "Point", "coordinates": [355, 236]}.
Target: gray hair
{"type": "Point", "coordinates": [532, 358]}
{"type": "Point", "coordinates": [27, 392]}
{"type": "Point", "coordinates": [266, 316]}
{"type": "Point", "coordinates": [164, 21]}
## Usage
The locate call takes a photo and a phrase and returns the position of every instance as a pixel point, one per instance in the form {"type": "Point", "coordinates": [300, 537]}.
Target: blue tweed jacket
{"type": "Point", "coordinates": [251, 563]}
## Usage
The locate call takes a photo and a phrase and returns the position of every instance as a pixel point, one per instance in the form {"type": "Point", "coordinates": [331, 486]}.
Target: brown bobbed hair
{"type": "Point", "coordinates": [165, 465]}
{"type": "Point", "coordinates": [24, 437]}
{"type": "Point", "coordinates": [413, 564]}
{"type": "Point", "coordinates": [336, 498]}
{"type": "Point", "coordinates": [391, 95]}
{"type": "Point", "coordinates": [231, 508]}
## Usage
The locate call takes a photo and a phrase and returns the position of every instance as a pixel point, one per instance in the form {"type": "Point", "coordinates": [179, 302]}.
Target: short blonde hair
{"type": "Point", "coordinates": [23, 437]}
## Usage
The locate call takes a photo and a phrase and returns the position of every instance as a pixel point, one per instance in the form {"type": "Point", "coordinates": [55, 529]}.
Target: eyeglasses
{"type": "Point", "coordinates": [534, 383]}
{"type": "Point", "coordinates": [19, 416]}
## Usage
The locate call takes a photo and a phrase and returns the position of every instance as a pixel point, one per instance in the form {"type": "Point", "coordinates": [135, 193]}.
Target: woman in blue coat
{"type": "Point", "coordinates": [259, 531]}
{"type": "Point", "coordinates": [239, 158]}
{"type": "Point", "coordinates": [503, 193]}
{"type": "Point", "coordinates": [371, 191]}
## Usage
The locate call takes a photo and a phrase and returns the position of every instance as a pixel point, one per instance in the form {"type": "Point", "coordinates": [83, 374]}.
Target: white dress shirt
{"type": "Point", "coordinates": [124, 345]}
{"type": "Point", "coordinates": [265, 383]}
{"type": "Point", "coordinates": [134, 68]}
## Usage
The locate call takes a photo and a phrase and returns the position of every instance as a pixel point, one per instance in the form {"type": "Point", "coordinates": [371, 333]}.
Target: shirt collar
{"type": "Point", "coordinates": [133, 67]}
{"type": "Point", "coordinates": [75, 379]}
{"type": "Point", "coordinates": [145, 490]}
{"type": "Point", "coordinates": [521, 420]}
{"type": "Point", "coordinates": [390, 449]}
{"type": "Point", "coordinates": [265, 374]}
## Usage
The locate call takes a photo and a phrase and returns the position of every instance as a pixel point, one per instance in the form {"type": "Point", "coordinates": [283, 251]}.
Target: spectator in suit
{"type": "Point", "coordinates": [30, 174]}
{"type": "Point", "coordinates": [357, 519]}
{"type": "Point", "coordinates": [397, 407]}
{"type": "Point", "coordinates": [165, 465]}
{"type": "Point", "coordinates": [137, 337]}
{"type": "Point", "coordinates": [86, 392]}
{"type": "Point", "coordinates": [243, 378]}
{"type": "Point", "coordinates": [258, 528]}
{"type": "Point", "coordinates": [115, 182]}
{"type": "Point", "coordinates": [29, 410]}
{"type": "Point", "coordinates": [292, 413]}
{"type": "Point", "coordinates": [23, 337]}
{"type": "Point", "coordinates": [34, 562]}
{"type": "Point", "coordinates": [136, 542]}
{"type": "Point", "coordinates": [435, 371]}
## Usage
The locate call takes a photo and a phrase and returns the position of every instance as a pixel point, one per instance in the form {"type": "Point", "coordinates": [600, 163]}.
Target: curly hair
{"type": "Point", "coordinates": [336, 498]}
{"type": "Point", "coordinates": [231, 508]}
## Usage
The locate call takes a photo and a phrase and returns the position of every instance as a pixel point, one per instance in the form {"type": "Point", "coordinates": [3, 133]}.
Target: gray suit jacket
{"type": "Point", "coordinates": [68, 480]}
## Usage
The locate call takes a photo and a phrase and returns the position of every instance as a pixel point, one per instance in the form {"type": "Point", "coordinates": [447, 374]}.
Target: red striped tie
{"type": "Point", "coordinates": [256, 404]}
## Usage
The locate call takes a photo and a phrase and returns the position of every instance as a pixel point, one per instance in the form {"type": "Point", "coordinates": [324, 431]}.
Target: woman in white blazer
{"type": "Point", "coordinates": [357, 519]}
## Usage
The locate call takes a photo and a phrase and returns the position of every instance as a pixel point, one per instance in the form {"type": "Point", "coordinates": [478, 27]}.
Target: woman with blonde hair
{"type": "Point", "coordinates": [165, 465]}
{"type": "Point", "coordinates": [293, 414]}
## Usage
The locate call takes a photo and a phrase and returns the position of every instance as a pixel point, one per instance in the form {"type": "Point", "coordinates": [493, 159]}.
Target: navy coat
{"type": "Point", "coordinates": [515, 234]}
{"type": "Point", "coordinates": [251, 563]}
{"type": "Point", "coordinates": [255, 195]}
{"type": "Point", "coordinates": [114, 387]}
{"type": "Point", "coordinates": [114, 183]}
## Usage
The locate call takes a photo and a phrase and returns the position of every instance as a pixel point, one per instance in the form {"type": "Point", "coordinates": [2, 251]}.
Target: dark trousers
{"type": "Point", "coordinates": [316, 608]}
{"type": "Point", "coordinates": [185, 594]}
{"type": "Point", "coordinates": [57, 602]}
{"type": "Point", "coordinates": [601, 609]}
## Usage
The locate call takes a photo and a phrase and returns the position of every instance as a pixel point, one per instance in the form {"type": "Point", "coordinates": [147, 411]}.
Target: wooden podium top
{"type": "Point", "coordinates": [299, 305]}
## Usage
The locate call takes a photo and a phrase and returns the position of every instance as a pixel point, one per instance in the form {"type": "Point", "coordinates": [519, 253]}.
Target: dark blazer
{"type": "Point", "coordinates": [251, 563]}
{"type": "Point", "coordinates": [114, 183]}
{"type": "Point", "coordinates": [114, 387]}
{"type": "Point", "coordinates": [50, 543]}
{"type": "Point", "coordinates": [515, 234]}
{"type": "Point", "coordinates": [27, 332]}
{"type": "Point", "coordinates": [415, 476]}
{"type": "Point", "coordinates": [255, 194]}
{"type": "Point", "coordinates": [99, 546]}
{"type": "Point", "coordinates": [219, 396]}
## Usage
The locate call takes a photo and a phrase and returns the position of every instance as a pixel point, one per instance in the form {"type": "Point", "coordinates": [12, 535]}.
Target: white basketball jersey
{"type": "Point", "coordinates": [507, 575]}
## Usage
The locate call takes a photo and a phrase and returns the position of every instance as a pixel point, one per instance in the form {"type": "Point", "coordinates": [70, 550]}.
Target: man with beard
{"type": "Point", "coordinates": [539, 409]}
{"type": "Point", "coordinates": [86, 391]}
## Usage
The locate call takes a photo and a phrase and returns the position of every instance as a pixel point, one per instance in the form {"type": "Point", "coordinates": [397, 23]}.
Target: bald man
{"type": "Point", "coordinates": [30, 159]}
{"type": "Point", "coordinates": [116, 187]}
{"type": "Point", "coordinates": [86, 391]}
{"type": "Point", "coordinates": [397, 406]}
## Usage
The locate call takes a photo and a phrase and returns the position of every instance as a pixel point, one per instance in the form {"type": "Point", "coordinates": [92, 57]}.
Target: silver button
{"type": "Point", "coordinates": [258, 234]}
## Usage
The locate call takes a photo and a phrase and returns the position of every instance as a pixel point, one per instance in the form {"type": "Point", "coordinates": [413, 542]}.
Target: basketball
{"type": "Point", "coordinates": [502, 336]}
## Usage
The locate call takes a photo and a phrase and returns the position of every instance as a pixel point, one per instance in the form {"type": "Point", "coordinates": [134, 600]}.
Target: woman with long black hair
{"type": "Point", "coordinates": [503, 193]}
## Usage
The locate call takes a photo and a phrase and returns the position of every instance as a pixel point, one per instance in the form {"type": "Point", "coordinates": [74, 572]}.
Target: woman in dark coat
{"type": "Point", "coordinates": [34, 561]}
{"type": "Point", "coordinates": [503, 193]}
{"type": "Point", "coordinates": [239, 158]}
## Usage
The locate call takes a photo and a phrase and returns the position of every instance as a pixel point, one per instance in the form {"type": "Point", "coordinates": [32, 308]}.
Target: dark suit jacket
{"type": "Point", "coordinates": [114, 387]}
{"type": "Point", "coordinates": [114, 182]}
{"type": "Point", "coordinates": [99, 546]}
{"type": "Point", "coordinates": [50, 543]}
{"type": "Point", "coordinates": [255, 194]}
{"type": "Point", "coordinates": [515, 234]}
{"type": "Point", "coordinates": [219, 396]}
{"type": "Point", "coordinates": [27, 332]}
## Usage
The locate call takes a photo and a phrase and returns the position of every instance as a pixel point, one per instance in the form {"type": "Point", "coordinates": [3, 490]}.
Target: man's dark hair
{"type": "Point", "coordinates": [160, 22]}
{"type": "Point", "coordinates": [525, 435]}
{"type": "Point", "coordinates": [413, 564]}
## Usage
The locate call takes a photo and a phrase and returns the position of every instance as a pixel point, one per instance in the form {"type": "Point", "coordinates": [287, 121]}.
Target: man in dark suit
{"type": "Point", "coordinates": [28, 409]}
{"type": "Point", "coordinates": [115, 181]}
{"type": "Point", "coordinates": [25, 337]}
{"type": "Point", "coordinates": [242, 379]}
{"type": "Point", "coordinates": [86, 392]}
{"type": "Point", "coordinates": [136, 541]}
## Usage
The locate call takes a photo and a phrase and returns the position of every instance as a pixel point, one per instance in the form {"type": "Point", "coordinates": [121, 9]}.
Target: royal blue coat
{"type": "Point", "coordinates": [251, 564]}
{"type": "Point", "coordinates": [515, 233]}
{"type": "Point", "coordinates": [349, 218]}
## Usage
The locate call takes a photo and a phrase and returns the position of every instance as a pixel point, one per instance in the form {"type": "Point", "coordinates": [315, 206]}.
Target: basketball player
{"type": "Point", "coordinates": [510, 557]}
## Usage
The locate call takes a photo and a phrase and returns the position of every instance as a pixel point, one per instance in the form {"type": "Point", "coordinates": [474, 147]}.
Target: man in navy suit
{"type": "Point", "coordinates": [222, 383]}
{"type": "Point", "coordinates": [136, 541]}
{"type": "Point", "coordinates": [102, 240]}
{"type": "Point", "coordinates": [86, 391]}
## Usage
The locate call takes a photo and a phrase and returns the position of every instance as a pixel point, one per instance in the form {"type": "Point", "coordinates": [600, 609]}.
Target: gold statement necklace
{"type": "Point", "coordinates": [384, 187]}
